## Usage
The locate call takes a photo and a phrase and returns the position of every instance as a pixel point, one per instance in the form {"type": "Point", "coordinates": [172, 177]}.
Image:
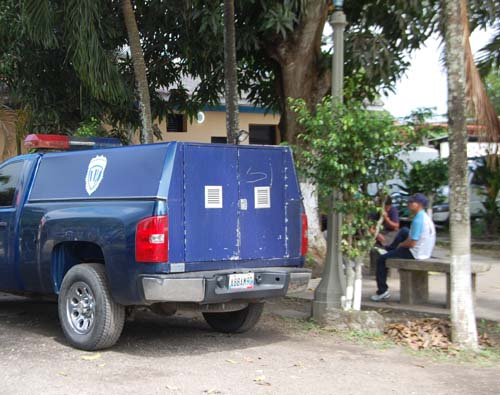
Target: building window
{"type": "Point", "coordinates": [176, 123]}
{"type": "Point", "coordinates": [219, 140]}
{"type": "Point", "coordinates": [263, 134]}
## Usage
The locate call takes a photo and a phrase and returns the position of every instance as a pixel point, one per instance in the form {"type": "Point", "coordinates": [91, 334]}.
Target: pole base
{"type": "Point", "coordinates": [322, 309]}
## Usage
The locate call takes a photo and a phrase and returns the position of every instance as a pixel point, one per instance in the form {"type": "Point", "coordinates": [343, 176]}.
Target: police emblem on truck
{"type": "Point", "coordinates": [95, 173]}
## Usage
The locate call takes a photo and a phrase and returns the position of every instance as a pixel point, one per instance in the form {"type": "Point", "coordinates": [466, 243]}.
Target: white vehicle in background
{"type": "Point", "coordinates": [441, 212]}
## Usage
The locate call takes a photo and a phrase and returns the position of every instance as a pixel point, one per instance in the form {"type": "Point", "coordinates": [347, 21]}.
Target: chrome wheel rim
{"type": "Point", "coordinates": [80, 308]}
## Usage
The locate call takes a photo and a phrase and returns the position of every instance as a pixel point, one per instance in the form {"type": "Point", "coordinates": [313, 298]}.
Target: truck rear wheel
{"type": "Point", "coordinates": [90, 318]}
{"type": "Point", "coordinates": [235, 321]}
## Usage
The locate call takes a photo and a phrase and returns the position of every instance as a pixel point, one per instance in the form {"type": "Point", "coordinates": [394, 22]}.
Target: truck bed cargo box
{"type": "Point", "coordinates": [224, 203]}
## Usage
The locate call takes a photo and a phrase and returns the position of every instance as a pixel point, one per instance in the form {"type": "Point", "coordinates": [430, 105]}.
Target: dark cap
{"type": "Point", "coordinates": [419, 198]}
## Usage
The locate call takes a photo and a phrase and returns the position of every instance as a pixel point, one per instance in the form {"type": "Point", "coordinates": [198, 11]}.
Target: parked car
{"type": "Point", "coordinates": [441, 212]}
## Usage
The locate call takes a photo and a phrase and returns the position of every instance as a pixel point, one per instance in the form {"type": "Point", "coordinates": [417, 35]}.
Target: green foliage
{"type": "Point", "coordinates": [64, 61]}
{"type": "Point", "coordinates": [418, 120]}
{"type": "Point", "coordinates": [90, 128]}
{"type": "Point", "coordinates": [39, 68]}
{"type": "Point", "coordinates": [426, 178]}
{"type": "Point", "coordinates": [489, 55]}
{"type": "Point", "coordinates": [83, 26]}
{"type": "Point", "coordinates": [492, 83]}
{"type": "Point", "coordinates": [348, 148]}
{"type": "Point", "coordinates": [488, 175]}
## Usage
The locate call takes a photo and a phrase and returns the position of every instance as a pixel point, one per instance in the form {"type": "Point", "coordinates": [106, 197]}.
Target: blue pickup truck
{"type": "Point", "coordinates": [171, 226]}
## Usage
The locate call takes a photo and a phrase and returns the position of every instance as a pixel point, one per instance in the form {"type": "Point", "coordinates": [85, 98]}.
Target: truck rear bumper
{"type": "Point", "coordinates": [212, 286]}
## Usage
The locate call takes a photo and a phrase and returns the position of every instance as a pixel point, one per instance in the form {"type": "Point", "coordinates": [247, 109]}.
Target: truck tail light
{"type": "Point", "coordinates": [151, 240]}
{"type": "Point", "coordinates": [305, 240]}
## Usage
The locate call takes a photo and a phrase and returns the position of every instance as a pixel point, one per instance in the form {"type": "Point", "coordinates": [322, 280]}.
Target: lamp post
{"type": "Point", "coordinates": [330, 290]}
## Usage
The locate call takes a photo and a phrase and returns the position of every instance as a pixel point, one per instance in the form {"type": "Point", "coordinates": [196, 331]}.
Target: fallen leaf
{"type": "Point", "coordinates": [261, 380]}
{"type": "Point", "coordinates": [62, 374]}
{"type": "Point", "coordinates": [212, 391]}
{"type": "Point", "coordinates": [91, 357]}
{"type": "Point", "coordinates": [231, 361]}
{"type": "Point", "coordinates": [172, 387]}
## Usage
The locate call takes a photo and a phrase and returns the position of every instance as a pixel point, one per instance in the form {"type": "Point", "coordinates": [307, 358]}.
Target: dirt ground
{"type": "Point", "coordinates": [181, 355]}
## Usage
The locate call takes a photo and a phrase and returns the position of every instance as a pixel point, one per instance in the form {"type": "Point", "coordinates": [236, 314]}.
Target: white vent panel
{"type": "Point", "coordinates": [213, 196]}
{"type": "Point", "coordinates": [262, 197]}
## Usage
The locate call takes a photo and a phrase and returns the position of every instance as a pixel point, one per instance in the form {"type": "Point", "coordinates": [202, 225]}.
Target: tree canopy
{"type": "Point", "coordinates": [280, 46]}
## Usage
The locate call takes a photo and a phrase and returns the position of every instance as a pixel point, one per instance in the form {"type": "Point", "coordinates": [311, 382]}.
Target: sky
{"type": "Point", "coordinates": [424, 84]}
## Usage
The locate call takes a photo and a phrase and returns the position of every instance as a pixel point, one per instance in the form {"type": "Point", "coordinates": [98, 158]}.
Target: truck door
{"type": "Point", "coordinates": [10, 176]}
{"type": "Point", "coordinates": [210, 203]}
{"type": "Point", "coordinates": [262, 203]}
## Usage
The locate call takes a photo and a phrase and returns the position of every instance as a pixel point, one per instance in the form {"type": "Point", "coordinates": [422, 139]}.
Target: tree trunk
{"type": "Point", "coordinates": [430, 204]}
{"type": "Point", "coordinates": [464, 331]}
{"type": "Point", "coordinates": [140, 74]}
{"type": "Point", "coordinates": [230, 73]}
{"type": "Point", "coordinates": [358, 284]}
{"type": "Point", "coordinates": [300, 73]}
{"type": "Point", "coordinates": [317, 242]}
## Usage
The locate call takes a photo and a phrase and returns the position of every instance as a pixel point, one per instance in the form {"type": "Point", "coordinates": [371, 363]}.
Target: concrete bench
{"type": "Point", "coordinates": [414, 277]}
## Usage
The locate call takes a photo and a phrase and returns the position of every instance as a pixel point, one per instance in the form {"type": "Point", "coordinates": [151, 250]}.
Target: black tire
{"type": "Point", "coordinates": [235, 321]}
{"type": "Point", "coordinates": [90, 318]}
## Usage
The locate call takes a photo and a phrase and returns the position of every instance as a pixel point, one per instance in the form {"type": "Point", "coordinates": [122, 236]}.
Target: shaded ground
{"type": "Point", "coordinates": [181, 355]}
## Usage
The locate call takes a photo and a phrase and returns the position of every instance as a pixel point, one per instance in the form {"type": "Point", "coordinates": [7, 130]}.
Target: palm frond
{"type": "Point", "coordinates": [489, 55]}
{"type": "Point", "coordinates": [94, 64]}
{"type": "Point", "coordinates": [478, 101]}
{"type": "Point", "coordinates": [8, 118]}
{"type": "Point", "coordinates": [38, 22]}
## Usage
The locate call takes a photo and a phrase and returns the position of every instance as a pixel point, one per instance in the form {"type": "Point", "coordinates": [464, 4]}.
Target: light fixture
{"type": "Point", "coordinates": [200, 117]}
{"type": "Point", "coordinates": [242, 135]}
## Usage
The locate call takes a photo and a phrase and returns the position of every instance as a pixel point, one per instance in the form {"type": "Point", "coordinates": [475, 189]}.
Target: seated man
{"type": "Point", "coordinates": [416, 243]}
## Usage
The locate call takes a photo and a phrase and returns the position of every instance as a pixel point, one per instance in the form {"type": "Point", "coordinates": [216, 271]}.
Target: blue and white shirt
{"type": "Point", "coordinates": [422, 230]}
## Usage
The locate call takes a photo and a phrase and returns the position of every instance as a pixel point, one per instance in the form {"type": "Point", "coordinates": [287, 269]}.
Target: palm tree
{"type": "Point", "coordinates": [230, 73]}
{"type": "Point", "coordinates": [82, 32]}
{"type": "Point", "coordinates": [8, 120]}
{"type": "Point", "coordinates": [76, 26]}
{"type": "Point", "coordinates": [140, 71]}
{"type": "Point", "coordinates": [464, 330]}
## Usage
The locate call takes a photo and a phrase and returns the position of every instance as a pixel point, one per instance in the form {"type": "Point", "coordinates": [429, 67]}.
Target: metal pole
{"type": "Point", "coordinates": [339, 23]}
{"type": "Point", "coordinates": [330, 290]}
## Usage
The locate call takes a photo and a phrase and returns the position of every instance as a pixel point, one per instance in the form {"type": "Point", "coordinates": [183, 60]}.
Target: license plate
{"type": "Point", "coordinates": [241, 281]}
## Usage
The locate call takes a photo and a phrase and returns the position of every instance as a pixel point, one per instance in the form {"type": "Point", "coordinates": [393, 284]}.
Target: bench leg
{"type": "Point", "coordinates": [414, 286]}
{"type": "Point", "coordinates": [448, 289]}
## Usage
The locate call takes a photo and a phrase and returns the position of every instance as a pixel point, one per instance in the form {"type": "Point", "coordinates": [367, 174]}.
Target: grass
{"type": "Point", "coordinates": [490, 327]}
{"type": "Point", "coordinates": [484, 357]}
{"type": "Point", "coordinates": [373, 339]}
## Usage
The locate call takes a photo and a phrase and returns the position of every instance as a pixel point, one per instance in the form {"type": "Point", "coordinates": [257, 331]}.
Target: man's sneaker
{"type": "Point", "coordinates": [379, 298]}
{"type": "Point", "coordinates": [380, 250]}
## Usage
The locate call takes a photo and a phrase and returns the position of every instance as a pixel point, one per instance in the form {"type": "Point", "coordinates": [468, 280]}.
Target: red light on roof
{"type": "Point", "coordinates": [48, 141]}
